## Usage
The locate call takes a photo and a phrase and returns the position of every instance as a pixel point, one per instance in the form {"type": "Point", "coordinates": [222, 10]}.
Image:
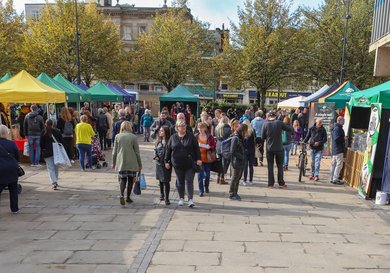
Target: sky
{"type": "Point", "coordinates": [216, 12]}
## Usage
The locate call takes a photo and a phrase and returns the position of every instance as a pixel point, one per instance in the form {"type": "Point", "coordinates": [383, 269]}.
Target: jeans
{"type": "Point", "coordinates": [52, 169]}
{"type": "Point", "coordinates": [34, 154]}
{"type": "Point", "coordinates": [287, 149]}
{"type": "Point", "coordinates": [146, 133]}
{"type": "Point", "coordinates": [335, 168]}
{"type": "Point", "coordinates": [316, 156]}
{"type": "Point", "coordinates": [249, 162]}
{"type": "Point", "coordinates": [13, 195]}
{"type": "Point", "coordinates": [294, 148]}
{"type": "Point", "coordinates": [235, 182]}
{"type": "Point", "coordinates": [85, 149]}
{"type": "Point", "coordinates": [185, 178]}
{"type": "Point", "coordinates": [204, 177]}
{"type": "Point", "coordinates": [278, 157]}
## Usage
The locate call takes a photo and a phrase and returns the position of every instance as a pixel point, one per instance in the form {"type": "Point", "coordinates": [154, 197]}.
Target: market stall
{"type": "Point", "coordinates": [127, 98]}
{"type": "Point", "coordinates": [101, 93]}
{"type": "Point", "coordinates": [6, 77]}
{"type": "Point", "coordinates": [85, 96]}
{"type": "Point", "coordinates": [292, 103]}
{"type": "Point", "coordinates": [367, 126]}
{"type": "Point", "coordinates": [180, 95]}
{"type": "Point", "coordinates": [341, 95]}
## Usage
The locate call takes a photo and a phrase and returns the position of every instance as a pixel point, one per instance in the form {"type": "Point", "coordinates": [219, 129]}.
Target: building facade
{"type": "Point", "coordinates": [380, 38]}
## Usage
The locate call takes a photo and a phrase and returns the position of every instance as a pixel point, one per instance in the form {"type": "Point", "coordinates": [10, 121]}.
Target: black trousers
{"type": "Point", "coordinates": [126, 182]}
{"type": "Point", "coordinates": [185, 178]}
{"type": "Point", "coordinates": [234, 183]}
{"type": "Point", "coordinates": [13, 195]}
{"type": "Point", "coordinates": [69, 148]}
{"type": "Point", "coordinates": [278, 157]}
{"type": "Point", "coordinates": [165, 188]}
{"type": "Point", "coordinates": [102, 139]}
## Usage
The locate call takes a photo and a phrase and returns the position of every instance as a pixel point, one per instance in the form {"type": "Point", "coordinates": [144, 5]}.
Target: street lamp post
{"type": "Point", "coordinates": [77, 44]}
{"type": "Point", "coordinates": [347, 17]}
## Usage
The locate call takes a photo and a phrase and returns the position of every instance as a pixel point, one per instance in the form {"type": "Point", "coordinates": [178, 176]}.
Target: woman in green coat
{"type": "Point", "coordinates": [126, 159]}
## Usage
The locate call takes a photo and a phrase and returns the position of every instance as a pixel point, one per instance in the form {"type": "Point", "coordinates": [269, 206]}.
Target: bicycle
{"type": "Point", "coordinates": [302, 160]}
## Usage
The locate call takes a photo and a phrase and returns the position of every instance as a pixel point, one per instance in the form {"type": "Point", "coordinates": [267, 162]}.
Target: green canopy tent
{"type": "Point", "coordinates": [71, 95]}
{"type": "Point", "coordinates": [379, 93]}
{"type": "Point", "coordinates": [64, 82]}
{"type": "Point", "coordinates": [201, 91]}
{"type": "Point", "coordinates": [6, 77]}
{"type": "Point", "coordinates": [101, 93]}
{"type": "Point", "coordinates": [180, 95]}
{"type": "Point", "coordinates": [341, 95]}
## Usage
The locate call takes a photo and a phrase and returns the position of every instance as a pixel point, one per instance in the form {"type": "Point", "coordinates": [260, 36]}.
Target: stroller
{"type": "Point", "coordinates": [97, 155]}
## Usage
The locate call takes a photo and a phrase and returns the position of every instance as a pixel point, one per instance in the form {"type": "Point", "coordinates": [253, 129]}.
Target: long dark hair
{"type": "Point", "coordinates": [242, 130]}
{"type": "Point", "coordinates": [48, 127]}
{"type": "Point", "coordinates": [167, 134]}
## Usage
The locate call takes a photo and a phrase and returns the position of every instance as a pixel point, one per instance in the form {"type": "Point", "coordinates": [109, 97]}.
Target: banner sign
{"type": "Point", "coordinates": [369, 154]}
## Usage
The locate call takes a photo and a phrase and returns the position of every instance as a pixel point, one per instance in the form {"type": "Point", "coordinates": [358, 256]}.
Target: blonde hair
{"type": "Point", "coordinates": [219, 129]}
{"type": "Point", "coordinates": [296, 124]}
{"type": "Point", "coordinates": [202, 125]}
{"type": "Point", "coordinates": [65, 114]}
{"type": "Point", "coordinates": [250, 129]}
{"type": "Point", "coordinates": [84, 118]}
{"type": "Point", "coordinates": [286, 120]}
{"type": "Point", "coordinates": [180, 123]}
{"type": "Point", "coordinates": [126, 127]}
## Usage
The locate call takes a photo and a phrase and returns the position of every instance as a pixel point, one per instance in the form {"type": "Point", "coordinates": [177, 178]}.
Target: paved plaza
{"type": "Point", "coordinates": [81, 228]}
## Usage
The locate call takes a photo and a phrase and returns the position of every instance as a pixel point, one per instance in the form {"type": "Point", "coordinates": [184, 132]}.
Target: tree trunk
{"type": "Point", "coordinates": [258, 98]}
{"type": "Point", "coordinates": [263, 93]}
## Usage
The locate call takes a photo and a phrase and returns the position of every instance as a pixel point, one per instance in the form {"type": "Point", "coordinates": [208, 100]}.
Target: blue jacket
{"type": "Point", "coordinates": [257, 124]}
{"type": "Point", "coordinates": [147, 120]}
{"type": "Point", "coordinates": [244, 118]}
{"type": "Point", "coordinates": [338, 139]}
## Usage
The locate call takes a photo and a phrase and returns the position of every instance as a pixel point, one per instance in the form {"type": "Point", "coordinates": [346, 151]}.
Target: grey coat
{"type": "Point", "coordinates": [126, 156]}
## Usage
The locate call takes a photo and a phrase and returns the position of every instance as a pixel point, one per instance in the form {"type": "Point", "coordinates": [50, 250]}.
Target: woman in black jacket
{"type": "Point", "coordinates": [238, 160]}
{"type": "Point", "coordinates": [250, 147]}
{"type": "Point", "coordinates": [9, 157]}
{"type": "Point", "coordinates": [183, 154]}
{"type": "Point", "coordinates": [163, 175]}
{"type": "Point", "coordinates": [47, 150]}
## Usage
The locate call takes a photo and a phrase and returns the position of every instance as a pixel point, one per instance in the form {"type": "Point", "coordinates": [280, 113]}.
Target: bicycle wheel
{"type": "Point", "coordinates": [301, 166]}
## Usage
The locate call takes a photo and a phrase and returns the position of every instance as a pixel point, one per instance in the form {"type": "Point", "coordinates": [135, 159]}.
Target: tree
{"type": "Point", "coordinates": [264, 45]}
{"type": "Point", "coordinates": [174, 50]}
{"type": "Point", "coordinates": [11, 36]}
{"type": "Point", "coordinates": [49, 43]}
{"type": "Point", "coordinates": [323, 30]}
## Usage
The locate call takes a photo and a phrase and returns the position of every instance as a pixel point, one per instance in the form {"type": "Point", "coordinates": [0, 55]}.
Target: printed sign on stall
{"type": "Point", "coordinates": [369, 154]}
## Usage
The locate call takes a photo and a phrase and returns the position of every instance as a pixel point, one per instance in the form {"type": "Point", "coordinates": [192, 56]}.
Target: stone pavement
{"type": "Point", "coordinates": [309, 227]}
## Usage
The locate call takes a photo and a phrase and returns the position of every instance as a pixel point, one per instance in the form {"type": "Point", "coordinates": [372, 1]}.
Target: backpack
{"type": "Point", "coordinates": [225, 148]}
{"type": "Point", "coordinates": [68, 129]}
{"type": "Point", "coordinates": [33, 124]}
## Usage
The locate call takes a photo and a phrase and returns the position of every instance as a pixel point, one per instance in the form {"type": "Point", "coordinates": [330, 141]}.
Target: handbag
{"type": "Point", "coordinates": [59, 154]}
{"type": "Point", "coordinates": [195, 167]}
{"type": "Point", "coordinates": [26, 149]}
{"type": "Point", "coordinates": [211, 156]}
{"type": "Point", "coordinates": [216, 166]}
{"type": "Point", "coordinates": [142, 181]}
{"type": "Point", "coordinates": [137, 186]}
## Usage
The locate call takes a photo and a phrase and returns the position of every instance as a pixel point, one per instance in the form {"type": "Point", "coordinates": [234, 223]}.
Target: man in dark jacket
{"type": "Point", "coordinates": [160, 122]}
{"type": "Point", "coordinates": [272, 133]}
{"type": "Point", "coordinates": [102, 128]}
{"type": "Point", "coordinates": [182, 117]}
{"type": "Point", "coordinates": [117, 126]}
{"type": "Point", "coordinates": [317, 138]}
{"type": "Point", "coordinates": [33, 126]}
{"type": "Point", "coordinates": [338, 146]}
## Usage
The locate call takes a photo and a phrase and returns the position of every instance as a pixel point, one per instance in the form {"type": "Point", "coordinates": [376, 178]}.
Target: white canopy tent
{"type": "Point", "coordinates": [292, 103]}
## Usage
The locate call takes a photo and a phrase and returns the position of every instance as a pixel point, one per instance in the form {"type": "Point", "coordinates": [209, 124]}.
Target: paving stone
{"type": "Point", "coordinates": [288, 229]}
{"type": "Point", "coordinates": [185, 258]}
{"type": "Point", "coordinates": [128, 245]}
{"type": "Point", "coordinates": [225, 227]}
{"type": "Point", "coordinates": [56, 245]}
{"type": "Point", "coordinates": [70, 235]}
{"type": "Point", "coordinates": [102, 257]}
{"type": "Point", "coordinates": [230, 269]}
{"type": "Point", "coordinates": [213, 246]}
{"type": "Point", "coordinates": [53, 218]}
{"type": "Point", "coordinates": [272, 220]}
{"type": "Point", "coordinates": [171, 245]}
{"type": "Point", "coordinates": [247, 237]}
{"type": "Point", "coordinates": [112, 235]}
{"type": "Point", "coordinates": [59, 226]}
{"type": "Point", "coordinates": [92, 218]}
{"type": "Point", "coordinates": [47, 257]}
{"type": "Point", "coordinates": [104, 226]}
{"type": "Point", "coordinates": [188, 235]}
{"type": "Point", "coordinates": [111, 269]}
{"type": "Point", "coordinates": [170, 269]}
{"type": "Point", "coordinates": [312, 238]}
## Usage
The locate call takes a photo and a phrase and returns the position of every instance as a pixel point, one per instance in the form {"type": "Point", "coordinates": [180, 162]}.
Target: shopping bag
{"type": "Point", "coordinates": [137, 186]}
{"type": "Point", "coordinates": [59, 154]}
{"type": "Point", "coordinates": [216, 166]}
{"type": "Point", "coordinates": [142, 181]}
{"type": "Point", "coordinates": [26, 149]}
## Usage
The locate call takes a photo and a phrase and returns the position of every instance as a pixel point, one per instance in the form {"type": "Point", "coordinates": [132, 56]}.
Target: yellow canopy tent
{"type": "Point", "coordinates": [24, 88]}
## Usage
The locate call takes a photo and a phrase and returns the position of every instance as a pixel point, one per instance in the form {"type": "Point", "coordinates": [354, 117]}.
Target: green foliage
{"type": "Point", "coordinates": [49, 43]}
{"type": "Point", "coordinates": [173, 51]}
{"type": "Point", "coordinates": [11, 31]}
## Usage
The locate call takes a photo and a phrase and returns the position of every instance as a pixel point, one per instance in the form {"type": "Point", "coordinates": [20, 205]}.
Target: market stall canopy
{"type": "Point", "coordinates": [325, 90]}
{"type": "Point", "coordinates": [341, 95]}
{"type": "Point", "coordinates": [379, 93]}
{"type": "Point", "coordinates": [71, 96]}
{"type": "Point", "coordinates": [100, 92]}
{"type": "Point", "coordinates": [292, 103]}
{"type": "Point", "coordinates": [6, 77]}
{"type": "Point", "coordinates": [64, 82]}
{"type": "Point", "coordinates": [24, 88]}
{"type": "Point", "coordinates": [201, 91]}
{"type": "Point", "coordinates": [82, 86]}
{"type": "Point", "coordinates": [179, 95]}
{"type": "Point", "coordinates": [127, 98]}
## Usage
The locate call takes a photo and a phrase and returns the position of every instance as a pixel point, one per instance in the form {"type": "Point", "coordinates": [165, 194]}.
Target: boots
{"type": "Point", "coordinates": [218, 180]}
{"type": "Point", "coordinates": [222, 181]}
{"type": "Point", "coordinates": [162, 195]}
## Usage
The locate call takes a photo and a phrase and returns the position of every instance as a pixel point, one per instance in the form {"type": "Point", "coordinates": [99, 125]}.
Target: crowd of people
{"type": "Point", "coordinates": [213, 143]}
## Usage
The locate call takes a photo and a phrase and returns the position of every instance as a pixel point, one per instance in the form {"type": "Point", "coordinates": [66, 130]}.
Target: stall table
{"type": "Point", "coordinates": [353, 168]}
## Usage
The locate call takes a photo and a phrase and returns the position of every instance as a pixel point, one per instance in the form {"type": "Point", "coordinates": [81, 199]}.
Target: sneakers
{"type": "Point", "coordinates": [201, 194]}
{"type": "Point", "coordinates": [338, 182]}
{"type": "Point", "coordinates": [243, 183]}
{"type": "Point", "coordinates": [235, 197]}
{"type": "Point", "coordinates": [15, 212]}
{"type": "Point", "coordinates": [122, 200]}
{"type": "Point", "coordinates": [55, 185]}
{"type": "Point", "coordinates": [128, 200]}
{"type": "Point", "coordinates": [250, 183]}
{"type": "Point", "coordinates": [284, 186]}
{"type": "Point", "coordinates": [316, 178]}
{"type": "Point", "coordinates": [191, 203]}
{"type": "Point", "coordinates": [311, 177]}
{"type": "Point", "coordinates": [181, 202]}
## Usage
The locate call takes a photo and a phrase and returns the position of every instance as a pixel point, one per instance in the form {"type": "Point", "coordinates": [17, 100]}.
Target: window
{"type": "Point", "coordinates": [158, 88]}
{"type": "Point", "coordinates": [144, 87]}
{"type": "Point", "coordinates": [35, 14]}
{"type": "Point", "coordinates": [141, 29]}
{"type": "Point", "coordinates": [224, 86]}
{"type": "Point", "coordinates": [127, 32]}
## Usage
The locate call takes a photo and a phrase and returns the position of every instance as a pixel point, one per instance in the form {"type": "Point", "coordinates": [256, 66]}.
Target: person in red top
{"type": "Point", "coordinates": [206, 143]}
